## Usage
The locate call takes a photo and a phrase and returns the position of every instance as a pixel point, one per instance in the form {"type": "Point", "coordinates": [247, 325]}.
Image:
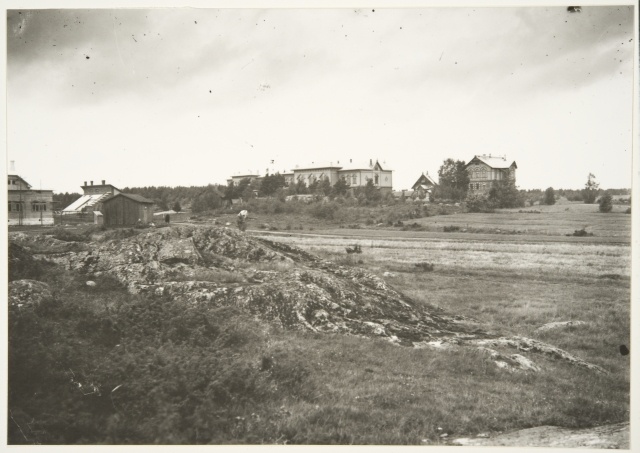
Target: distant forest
{"type": "Point", "coordinates": [213, 196]}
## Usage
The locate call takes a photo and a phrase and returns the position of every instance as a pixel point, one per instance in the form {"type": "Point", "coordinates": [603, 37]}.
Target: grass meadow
{"type": "Point", "coordinates": [513, 287]}
{"type": "Point", "coordinates": [172, 375]}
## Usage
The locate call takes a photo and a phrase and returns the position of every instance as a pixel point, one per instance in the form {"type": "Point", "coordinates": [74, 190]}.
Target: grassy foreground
{"type": "Point", "coordinates": [97, 365]}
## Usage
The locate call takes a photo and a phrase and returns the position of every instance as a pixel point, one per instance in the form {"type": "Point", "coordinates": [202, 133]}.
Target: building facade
{"type": "Point", "coordinates": [486, 169]}
{"type": "Point", "coordinates": [124, 209]}
{"type": "Point", "coordinates": [356, 174]}
{"type": "Point", "coordinates": [27, 206]}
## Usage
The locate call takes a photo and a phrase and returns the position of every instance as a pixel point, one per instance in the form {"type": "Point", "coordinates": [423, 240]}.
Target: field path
{"type": "Point", "coordinates": [435, 235]}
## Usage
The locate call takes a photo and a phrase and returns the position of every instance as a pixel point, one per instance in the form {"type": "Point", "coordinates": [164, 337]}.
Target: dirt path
{"type": "Point", "coordinates": [606, 436]}
{"type": "Point", "coordinates": [435, 235]}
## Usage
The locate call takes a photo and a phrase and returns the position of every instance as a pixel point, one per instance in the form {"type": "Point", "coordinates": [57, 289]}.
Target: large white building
{"type": "Point", "coordinates": [355, 174]}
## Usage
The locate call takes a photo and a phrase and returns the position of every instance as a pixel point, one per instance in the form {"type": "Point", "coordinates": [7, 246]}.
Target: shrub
{"type": "Point", "coordinates": [605, 203]}
{"type": "Point", "coordinates": [580, 233]}
{"type": "Point", "coordinates": [424, 266]}
{"type": "Point", "coordinates": [478, 203]}
{"type": "Point", "coordinates": [549, 196]}
{"type": "Point", "coordinates": [451, 228]}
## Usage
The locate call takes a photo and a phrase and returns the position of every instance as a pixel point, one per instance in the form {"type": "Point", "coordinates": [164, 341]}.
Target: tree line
{"type": "Point", "coordinates": [453, 186]}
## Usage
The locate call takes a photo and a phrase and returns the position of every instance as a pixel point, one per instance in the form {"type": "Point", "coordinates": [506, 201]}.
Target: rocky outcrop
{"type": "Point", "coordinates": [24, 294]}
{"type": "Point", "coordinates": [604, 437]}
{"type": "Point", "coordinates": [219, 266]}
{"type": "Point", "coordinates": [559, 325]}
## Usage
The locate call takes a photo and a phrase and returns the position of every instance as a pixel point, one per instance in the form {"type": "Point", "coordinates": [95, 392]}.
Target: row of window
{"type": "Point", "coordinates": [18, 206]}
{"type": "Point", "coordinates": [477, 185]}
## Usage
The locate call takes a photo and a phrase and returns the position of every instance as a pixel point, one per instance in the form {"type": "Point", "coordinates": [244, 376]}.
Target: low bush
{"type": "Point", "coordinates": [425, 267]}
{"type": "Point", "coordinates": [450, 228]}
{"type": "Point", "coordinates": [580, 233]}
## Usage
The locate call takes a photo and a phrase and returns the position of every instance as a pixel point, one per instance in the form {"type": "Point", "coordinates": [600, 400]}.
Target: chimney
{"type": "Point", "coordinates": [103, 182]}
{"type": "Point", "coordinates": [370, 162]}
{"type": "Point", "coordinates": [85, 183]}
{"type": "Point", "coordinates": [349, 160]}
{"type": "Point", "coordinates": [91, 182]}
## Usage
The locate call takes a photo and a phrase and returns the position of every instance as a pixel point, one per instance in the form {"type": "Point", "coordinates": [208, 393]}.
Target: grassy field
{"type": "Point", "coordinates": [208, 382]}
{"type": "Point", "coordinates": [514, 287]}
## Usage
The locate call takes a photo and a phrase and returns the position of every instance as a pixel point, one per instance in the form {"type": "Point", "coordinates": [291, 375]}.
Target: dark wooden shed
{"type": "Point", "coordinates": [126, 209]}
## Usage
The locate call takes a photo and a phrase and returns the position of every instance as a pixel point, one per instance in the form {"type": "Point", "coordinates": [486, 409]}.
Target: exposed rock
{"type": "Point", "coordinates": [90, 283]}
{"type": "Point", "coordinates": [219, 266]}
{"type": "Point", "coordinates": [530, 345]}
{"type": "Point", "coordinates": [559, 324]}
{"type": "Point", "coordinates": [28, 293]}
{"type": "Point", "coordinates": [606, 436]}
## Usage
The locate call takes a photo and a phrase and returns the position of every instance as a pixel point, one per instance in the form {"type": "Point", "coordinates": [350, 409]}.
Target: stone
{"type": "Point", "coordinates": [90, 283]}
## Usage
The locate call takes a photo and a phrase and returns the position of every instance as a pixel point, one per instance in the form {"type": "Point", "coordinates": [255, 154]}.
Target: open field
{"type": "Point", "coordinates": [206, 368]}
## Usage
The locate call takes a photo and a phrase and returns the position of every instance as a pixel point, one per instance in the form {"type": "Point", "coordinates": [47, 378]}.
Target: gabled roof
{"type": "Point", "coordinates": [500, 162]}
{"type": "Point", "coordinates": [131, 196]}
{"type": "Point", "coordinates": [21, 179]}
{"type": "Point", "coordinates": [424, 180]}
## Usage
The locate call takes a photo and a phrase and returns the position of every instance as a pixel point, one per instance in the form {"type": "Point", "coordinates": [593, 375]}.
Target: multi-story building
{"type": "Point", "coordinates": [28, 206]}
{"type": "Point", "coordinates": [356, 174]}
{"type": "Point", "coordinates": [486, 169]}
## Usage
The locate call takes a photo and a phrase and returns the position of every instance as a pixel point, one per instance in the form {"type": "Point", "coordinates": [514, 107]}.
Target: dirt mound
{"type": "Point", "coordinates": [220, 266]}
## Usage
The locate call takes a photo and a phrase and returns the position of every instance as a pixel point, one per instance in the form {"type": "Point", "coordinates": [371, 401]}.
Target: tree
{"type": "Point", "coordinates": [505, 194]}
{"type": "Point", "coordinates": [206, 200]}
{"type": "Point", "coordinates": [340, 187]}
{"type": "Point", "coordinates": [606, 203]}
{"type": "Point", "coordinates": [590, 190]}
{"type": "Point", "coordinates": [371, 192]}
{"type": "Point", "coordinates": [549, 196]}
{"type": "Point", "coordinates": [453, 180]}
{"type": "Point", "coordinates": [271, 183]}
{"type": "Point", "coordinates": [176, 206]}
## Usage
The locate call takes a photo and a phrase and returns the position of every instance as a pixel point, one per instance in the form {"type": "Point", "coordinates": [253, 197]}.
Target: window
{"type": "Point", "coordinates": [376, 180]}
{"type": "Point", "coordinates": [38, 206]}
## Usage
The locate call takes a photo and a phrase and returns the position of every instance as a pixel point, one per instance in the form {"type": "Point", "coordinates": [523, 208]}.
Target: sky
{"type": "Point", "coordinates": [174, 96]}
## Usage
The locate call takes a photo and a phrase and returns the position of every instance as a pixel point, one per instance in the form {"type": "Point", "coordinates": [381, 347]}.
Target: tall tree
{"type": "Point", "coordinates": [505, 194]}
{"type": "Point", "coordinates": [453, 180]}
{"type": "Point", "coordinates": [549, 196]}
{"type": "Point", "coordinates": [590, 191]}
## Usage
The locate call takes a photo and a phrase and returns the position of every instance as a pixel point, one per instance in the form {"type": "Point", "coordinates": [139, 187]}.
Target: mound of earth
{"type": "Point", "coordinates": [219, 266]}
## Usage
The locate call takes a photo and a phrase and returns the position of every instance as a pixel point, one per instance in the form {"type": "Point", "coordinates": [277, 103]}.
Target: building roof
{"type": "Point", "coordinates": [317, 166]}
{"type": "Point", "coordinates": [493, 161]}
{"type": "Point", "coordinates": [363, 165]}
{"type": "Point", "coordinates": [132, 196]}
{"type": "Point", "coordinates": [423, 180]}
{"type": "Point", "coordinates": [85, 201]}
{"type": "Point", "coordinates": [21, 179]}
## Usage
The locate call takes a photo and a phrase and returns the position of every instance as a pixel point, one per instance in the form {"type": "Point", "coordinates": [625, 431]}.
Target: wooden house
{"type": "Point", "coordinates": [424, 186]}
{"type": "Point", "coordinates": [28, 206]}
{"type": "Point", "coordinates": [486, 169]}
{"type": "Point", "coordinates": [125, 209]}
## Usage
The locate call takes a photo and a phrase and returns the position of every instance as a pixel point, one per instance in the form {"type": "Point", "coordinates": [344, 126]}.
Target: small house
{"type": "Point", "coordinates": [126, 209]}
{"type": "Point", "coordinates": [26, 205]}
{"type": "Point", "coordinates": [424, 186]}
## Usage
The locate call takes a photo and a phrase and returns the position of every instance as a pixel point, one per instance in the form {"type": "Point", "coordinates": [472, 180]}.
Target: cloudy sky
{"type": "Point", "coordinates": [191, 96]}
